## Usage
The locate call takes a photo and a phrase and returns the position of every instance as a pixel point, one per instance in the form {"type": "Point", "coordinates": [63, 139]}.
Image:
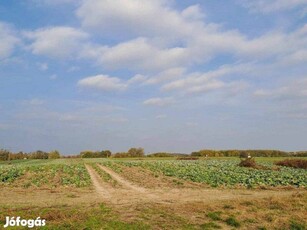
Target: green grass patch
{"type": "Point", "coordinates": [210, 225]}
{"type": "Point", "coordinates": [214, 215]}
{"type": "Point", "coordinates": [231, 221]}
{"type": "Point", "coordinates": [295, 225]}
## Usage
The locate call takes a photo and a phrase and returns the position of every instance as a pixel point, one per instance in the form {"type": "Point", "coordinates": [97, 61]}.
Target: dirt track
{"type": "Point", "coordinates": [130, 193]}
{"type": "Point", "coordinates": [122, 181]}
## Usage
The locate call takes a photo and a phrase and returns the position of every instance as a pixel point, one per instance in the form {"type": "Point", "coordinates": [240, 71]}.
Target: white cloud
{"type": "Point", "coordinates": [204, 82]}
{"type": "Point", "coordinates": [141, 55]}
{"type": "Point", "coordinates": [294, 90]}
{"type": "Point", "coordinates": [174, 39]}
{"type": "Point", "coordinates": [159, 101]}
{"type": "Point", "coordinates": [8, 40]}
{"type": "Point", "coordinates": [166, 75]}
{"type": "Point", "coordinates": [135, 17]}
{"type": "Point", "coordinates": [268, 6]}
{"type": "Point", "coordinates": [138, 78]}
{"type": "Point", "coordinates": [103, 82]}
{"type": "Point", "coordinates": [43, 66]}
{"type": "Point", "coordinates": [193, 13]}
{"type": "Point", "coordinates": [56, 42]}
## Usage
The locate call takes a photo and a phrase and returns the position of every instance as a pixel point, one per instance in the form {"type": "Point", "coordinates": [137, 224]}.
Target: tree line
{"type": "Point", "coordinates": [245, 153]}
{"type": "Point", "coordinates": [6, 155]}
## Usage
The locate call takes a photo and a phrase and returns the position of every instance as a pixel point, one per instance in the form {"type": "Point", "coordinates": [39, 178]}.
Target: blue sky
{"type": "Point", "coordinates": [164, 75]}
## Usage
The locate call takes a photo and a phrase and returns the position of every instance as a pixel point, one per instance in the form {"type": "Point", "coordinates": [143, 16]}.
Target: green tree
{"type": "Point", "coordinates": [136, 152]}
{"type": "Point", "coordinates": [106, 153]}
{"type": "Point", "coordinates": [55, 154]}
{"type": "Point", "coordinates": [4, 155]}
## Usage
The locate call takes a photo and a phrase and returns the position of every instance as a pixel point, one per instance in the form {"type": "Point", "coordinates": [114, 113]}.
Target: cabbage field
{"type": "Point", "coordinates": [225, 173]}
{"type": "Point", "coordinates": [51, 175]}
{"type": "Point", "coordinates": [213, 172]}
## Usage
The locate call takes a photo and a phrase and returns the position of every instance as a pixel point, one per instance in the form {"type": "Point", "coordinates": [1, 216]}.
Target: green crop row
{"type": "Point", "coordinates": [106, 177]}
{"type": "Point", "coordinates": [52, 175]}
{"type": "Point", "coordinates": [9, 174]}
{"type": "Point", "coordinates": [225, 173]}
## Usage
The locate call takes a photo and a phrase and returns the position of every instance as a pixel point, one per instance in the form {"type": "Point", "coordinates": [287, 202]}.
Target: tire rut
{"type": "Point", "coordinates": [97, 182]}
{"type": "Point", "coordinates": [123, 181]}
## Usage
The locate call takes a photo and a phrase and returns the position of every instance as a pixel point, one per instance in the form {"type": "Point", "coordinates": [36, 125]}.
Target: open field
{"type": "Point", "coordinates": [144, 193]}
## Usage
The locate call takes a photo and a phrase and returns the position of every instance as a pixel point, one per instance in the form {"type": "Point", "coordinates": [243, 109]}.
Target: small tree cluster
{"type": "Point", "coordinates": [133, 152]}
{"type": "Point", "coordinates": [6, 155]}
{"type": "Point", "coordinates": [95, 154]}
{"type": "Point", "coordinates": [54, 154]}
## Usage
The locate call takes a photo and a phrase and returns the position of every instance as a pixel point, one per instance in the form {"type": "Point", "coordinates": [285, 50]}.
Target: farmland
{"type": "Point", "coordinates": [213, 193]}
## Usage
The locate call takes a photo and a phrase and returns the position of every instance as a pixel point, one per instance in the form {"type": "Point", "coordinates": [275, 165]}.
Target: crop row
{"type": "Point", "coordinates": [9, 174]}
{"type": "Point", "coordinates": [49, 175]}
{"type": "Point", "coordinates": [225, 173]}
{"type": "Point", "coordinates": [106, 177]}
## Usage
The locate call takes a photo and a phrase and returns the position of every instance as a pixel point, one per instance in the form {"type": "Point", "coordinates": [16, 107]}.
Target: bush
{"type": "Point", "coordinates": [4, 155]}
{"type": "Point", "coordinates": [249, 163]}
{"type": "Point", "coordinates": [232, 222]}
{"type": "Point", "coordinates": [294, 163]}
{"type": "Point", "coordinates": [161, 154]}
{"type": "Point", "coordinates": [214, 215]}
{"type": "Point", "coordinates": [133, 152]}
{"type": "Point", "coordinates": [54, 155]}
{"type": "Point", "coordinates": [38, 155]}
{"type": "Point", "coordinates": [95, 154]}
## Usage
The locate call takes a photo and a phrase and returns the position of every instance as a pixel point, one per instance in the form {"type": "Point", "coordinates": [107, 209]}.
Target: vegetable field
{"type": "Point", "coordinates": [49, 173]}
{"type": "Point", "coordinates": [164, 193]}
{"type": "Point", "coordinates": [215, 173]}
{"type": "Point", "coordinates": [225, 173]}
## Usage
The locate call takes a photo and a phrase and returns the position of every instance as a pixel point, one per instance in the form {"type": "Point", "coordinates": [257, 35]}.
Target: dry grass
{"type": "Point", "coordinates": [251, 163]}
{"type": "Point", "coordinates": [294, 163]}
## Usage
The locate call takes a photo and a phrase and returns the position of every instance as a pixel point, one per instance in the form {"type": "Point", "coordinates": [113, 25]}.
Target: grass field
{"type": "Point", "coordinates": [156, 193]}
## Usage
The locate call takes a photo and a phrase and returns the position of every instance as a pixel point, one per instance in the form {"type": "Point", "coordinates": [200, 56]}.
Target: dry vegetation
{"type": "Point", "coordinates": [294, 163]}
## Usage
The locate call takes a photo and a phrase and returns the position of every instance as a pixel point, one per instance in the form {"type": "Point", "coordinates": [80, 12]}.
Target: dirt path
{"type": "Point", "coordinates": [122, 181]}
{"type": "Point", "coordinates": [132, 194]}
{"type": "Point", "coordinates": [97, 182]}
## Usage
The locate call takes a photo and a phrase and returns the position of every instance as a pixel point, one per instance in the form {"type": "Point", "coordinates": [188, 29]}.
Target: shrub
{"type": "Point", "coordinates": [294, 225]}
{"type": "Point", "coordinates": [133, 152]}
{"type": "Point", "coordinates": [95, 154]}
{"type": "Point", "coordinates": [294, 163]}
{"type": "Point", "coordinates": [249, 163]}
{"type": "Point", "coordinates": [214, 215]}
{"type": "Point", "coordinates": [4, 155]}
{"type": "Point", "coordinates": [161, 154]}
{"type": "Point", "coordinates": [54, 155]}
{"type": "Point", "coordinates": [232, 222]}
